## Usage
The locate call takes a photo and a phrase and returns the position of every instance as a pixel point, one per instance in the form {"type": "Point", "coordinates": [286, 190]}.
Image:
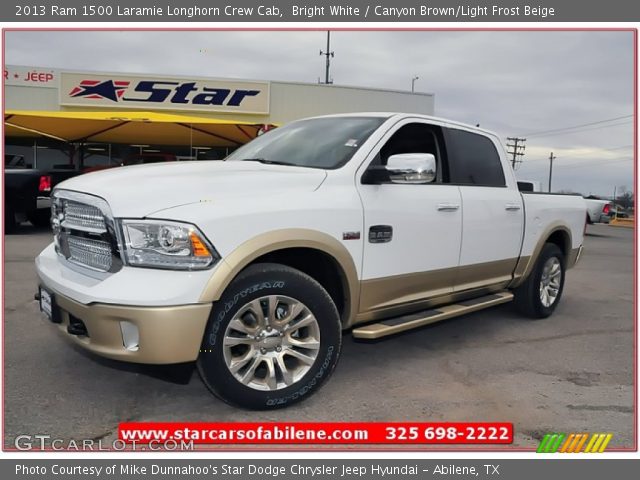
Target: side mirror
{"type": "Point", "coordinates": [411, 168]}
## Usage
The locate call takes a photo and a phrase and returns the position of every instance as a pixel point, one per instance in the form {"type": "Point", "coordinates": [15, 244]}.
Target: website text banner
{"type": "Point", "coordinates": [528, 469]}
{"type": "Point", "coordinates": [345, 433]}
{"type": "Point", "coordinates": [320, 11]}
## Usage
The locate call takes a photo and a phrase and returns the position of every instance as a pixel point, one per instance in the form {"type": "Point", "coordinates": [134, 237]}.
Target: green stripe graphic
{"type": "Point", "coordinates": [551, 442]}
{"type": "Point", "coordinates": [543, 443]}
{"type": "Point", "coordinates": [561, 437]}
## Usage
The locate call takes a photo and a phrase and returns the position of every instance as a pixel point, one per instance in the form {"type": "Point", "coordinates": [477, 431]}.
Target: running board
{"type": "Point", "coordinates": [395, 325]}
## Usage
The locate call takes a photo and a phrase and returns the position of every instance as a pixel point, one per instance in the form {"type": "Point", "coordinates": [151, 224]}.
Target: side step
{"type": "Point", "coordinates": [394, 325]}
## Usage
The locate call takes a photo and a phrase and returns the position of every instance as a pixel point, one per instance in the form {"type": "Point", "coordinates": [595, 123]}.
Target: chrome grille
{"type": "Point", "coordinates": [92, 253]}
{"type": "Point", "coordinates": [84, 231]}
{"type": "Point", "coordinates": [83, 217]}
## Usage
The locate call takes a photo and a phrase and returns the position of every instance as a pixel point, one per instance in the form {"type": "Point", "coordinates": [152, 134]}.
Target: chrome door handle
{"type": "Point", "coordinates": [512, 207]}
{"type": "Point", "coordinates": [448, 207]}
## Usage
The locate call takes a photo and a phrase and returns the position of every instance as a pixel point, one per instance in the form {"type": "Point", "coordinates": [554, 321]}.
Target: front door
{"type": "Point", "coordinates": [412, 232]}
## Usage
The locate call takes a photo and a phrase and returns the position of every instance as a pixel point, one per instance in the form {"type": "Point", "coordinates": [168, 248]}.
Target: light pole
{"type": "Point", "coordinates": [413, 83]}
{"type": "Point", "coordinates": [327, 54]}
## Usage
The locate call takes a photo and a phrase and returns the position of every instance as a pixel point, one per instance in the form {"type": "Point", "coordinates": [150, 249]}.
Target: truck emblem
{"type": "Point", "coordinates": [380, 233]}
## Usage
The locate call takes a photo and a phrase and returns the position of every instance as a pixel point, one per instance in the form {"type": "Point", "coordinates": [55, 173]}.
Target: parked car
{"type": "Point", "coordinates": [253, 267]}
{"type": "Point", "coordinates": [27, 192]}
{"type": "Point", "coordinates": [614, 211]}
{"type": "Point", "coordinates": [597, 210]}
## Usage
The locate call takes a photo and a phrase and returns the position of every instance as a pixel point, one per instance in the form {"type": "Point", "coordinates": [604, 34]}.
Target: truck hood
{"type": "Point", "coordinates": [142, 190]}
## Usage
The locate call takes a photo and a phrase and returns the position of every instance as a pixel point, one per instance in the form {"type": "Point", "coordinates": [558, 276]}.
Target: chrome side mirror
{"type": "Point", "coordinates": [411, 168]}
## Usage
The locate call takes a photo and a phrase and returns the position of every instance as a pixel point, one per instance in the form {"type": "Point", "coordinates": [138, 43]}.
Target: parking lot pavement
{"type": "Point", "coordinates": [571, 372]}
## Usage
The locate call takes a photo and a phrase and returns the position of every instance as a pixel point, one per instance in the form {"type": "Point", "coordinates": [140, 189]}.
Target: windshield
{"type": "Point", "coordinates": [326, 143]}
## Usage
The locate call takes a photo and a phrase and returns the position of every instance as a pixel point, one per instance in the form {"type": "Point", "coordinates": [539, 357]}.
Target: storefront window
{"type": "Point", "coordinates": [49, 154]}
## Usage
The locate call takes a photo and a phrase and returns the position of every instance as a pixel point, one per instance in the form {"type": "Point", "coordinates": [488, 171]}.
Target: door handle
{"type": "Point", "coordinates": [448, 207]}
{"type": "Point", "coordinates": [512, 207]}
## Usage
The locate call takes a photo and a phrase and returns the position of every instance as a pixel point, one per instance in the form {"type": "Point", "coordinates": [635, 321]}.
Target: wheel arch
{"type": "Point", "coordinates": [558, 234]}
{"type": "Point", "coordinates": [315, 253]}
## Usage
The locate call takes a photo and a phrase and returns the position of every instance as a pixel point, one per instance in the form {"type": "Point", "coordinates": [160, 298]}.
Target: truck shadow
{"type": "Point", "coordinates": [179, 374]}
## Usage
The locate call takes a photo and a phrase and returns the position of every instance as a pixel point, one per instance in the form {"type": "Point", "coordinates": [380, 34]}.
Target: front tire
{"type": "Point", "coordinates": [540, 294]}
{"type": "Point", "coordinates": [272, 340]}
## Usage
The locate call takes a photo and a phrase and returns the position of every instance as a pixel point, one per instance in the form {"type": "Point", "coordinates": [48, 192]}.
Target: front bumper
{"type": "Point", "coordinates": [165, 335]}
{"type": "Point", "coordinates": [135, 315]}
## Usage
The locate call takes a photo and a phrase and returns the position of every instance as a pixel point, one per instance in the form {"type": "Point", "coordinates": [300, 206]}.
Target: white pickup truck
{"type": "Point", "coordinates": [253, 267]}
{"type": "Point", "coordinates": [598, 210]}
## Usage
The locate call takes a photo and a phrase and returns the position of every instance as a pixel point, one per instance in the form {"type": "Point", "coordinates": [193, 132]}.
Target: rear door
{"type": "Point", "coordinates": [412, 232]}
{"type": "Point", "coordinates": [493, 220]}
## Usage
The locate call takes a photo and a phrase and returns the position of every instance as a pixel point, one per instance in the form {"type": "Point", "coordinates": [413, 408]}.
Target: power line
{"type": "Point", "coordinates": [570, 155]}
{"type": "Point", "coordinates": [594, 162]}
{"type": "Point", "coordinates": [583, 129]}
{"type": "Point", "coordinates": [577, 126]}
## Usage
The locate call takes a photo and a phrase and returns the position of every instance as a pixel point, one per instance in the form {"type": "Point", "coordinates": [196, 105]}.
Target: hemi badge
{"type": "Point", "coordinates": [351, 235]}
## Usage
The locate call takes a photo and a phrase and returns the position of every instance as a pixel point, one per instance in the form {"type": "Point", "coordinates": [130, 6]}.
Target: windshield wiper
{"type": "Point", "coordinates": [266, 161]}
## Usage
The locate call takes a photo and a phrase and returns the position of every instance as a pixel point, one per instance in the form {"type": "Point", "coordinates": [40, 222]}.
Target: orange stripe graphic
{"type": "Point", "coordinates": [567, 442]}
{"type": "Point", "coordinates": [581, 442]}
{"type": "Point", "coordinates": [576, 438]}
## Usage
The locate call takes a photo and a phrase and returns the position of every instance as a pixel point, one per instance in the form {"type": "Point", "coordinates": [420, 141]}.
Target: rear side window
{"type": "Point", "coordinates": [473, 159]}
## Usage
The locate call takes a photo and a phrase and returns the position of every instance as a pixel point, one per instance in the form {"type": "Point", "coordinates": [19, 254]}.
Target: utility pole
{"type": "Point", "coordinates": [328, 54]}
{"type": "Point", "coordinates": [413, 83]}
{"type": "Point", "coordinates": [551, 159]}
{"type": "Point", "coordinates": [516, 150]}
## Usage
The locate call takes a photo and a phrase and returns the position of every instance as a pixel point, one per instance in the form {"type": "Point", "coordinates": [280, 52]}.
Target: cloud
{"type": "Point", "coordinates": [510, 82]}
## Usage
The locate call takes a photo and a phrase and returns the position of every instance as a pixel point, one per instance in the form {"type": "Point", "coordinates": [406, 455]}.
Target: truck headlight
{"type": "Point", "coordinates": [166, 244]}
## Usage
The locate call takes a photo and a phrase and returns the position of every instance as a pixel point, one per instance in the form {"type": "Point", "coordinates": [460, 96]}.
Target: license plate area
{"type": "Point", "coordinates": [48, 305]}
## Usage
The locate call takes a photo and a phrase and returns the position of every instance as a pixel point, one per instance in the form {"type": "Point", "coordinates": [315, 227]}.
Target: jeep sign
{"type": "Point", "coordinates": [153, 93]}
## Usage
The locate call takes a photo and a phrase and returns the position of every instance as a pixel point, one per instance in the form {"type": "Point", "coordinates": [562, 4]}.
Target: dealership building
{"type": "Point", "coordinates": [70, 119]}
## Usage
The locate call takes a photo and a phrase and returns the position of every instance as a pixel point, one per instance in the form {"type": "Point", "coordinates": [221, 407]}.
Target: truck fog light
{"type": "Point", "coordinates": [130, 336]}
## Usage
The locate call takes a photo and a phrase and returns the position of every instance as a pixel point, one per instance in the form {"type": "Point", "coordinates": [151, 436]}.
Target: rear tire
{"type": "Point", "coordinates": [272, 340]}
{"type": "Point", "coordinates": [540, 294]}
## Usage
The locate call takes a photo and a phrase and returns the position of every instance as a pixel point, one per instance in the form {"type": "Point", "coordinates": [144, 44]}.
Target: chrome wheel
{"type": "Point", "coordinates": [550, 281]}
{"type": "Point", "coordinates": [271, 342]}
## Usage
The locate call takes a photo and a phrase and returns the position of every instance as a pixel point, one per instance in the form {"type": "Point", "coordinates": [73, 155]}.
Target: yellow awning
{"type": "Point", "coordinates": [126, 127]}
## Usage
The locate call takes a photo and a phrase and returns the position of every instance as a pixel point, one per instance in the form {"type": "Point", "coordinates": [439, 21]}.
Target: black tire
{"type": "Point", "coordinates": [40, 218]}
{"type": "Point", "coordinates": [527, 295]}
{"type": "Point", "coordinates": [257, 282]}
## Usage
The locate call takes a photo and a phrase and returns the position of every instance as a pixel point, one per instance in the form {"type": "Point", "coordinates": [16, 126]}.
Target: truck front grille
{"type": "Point", "coordinates": [83, 217]}
{"type": "Point", "coordinates": [84, 231]}
{"type": "Point", "coordinates": [93, 253]}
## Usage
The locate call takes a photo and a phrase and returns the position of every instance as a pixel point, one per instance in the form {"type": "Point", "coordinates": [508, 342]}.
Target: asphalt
{"type": "Point", "coordinates": [573, 372]}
